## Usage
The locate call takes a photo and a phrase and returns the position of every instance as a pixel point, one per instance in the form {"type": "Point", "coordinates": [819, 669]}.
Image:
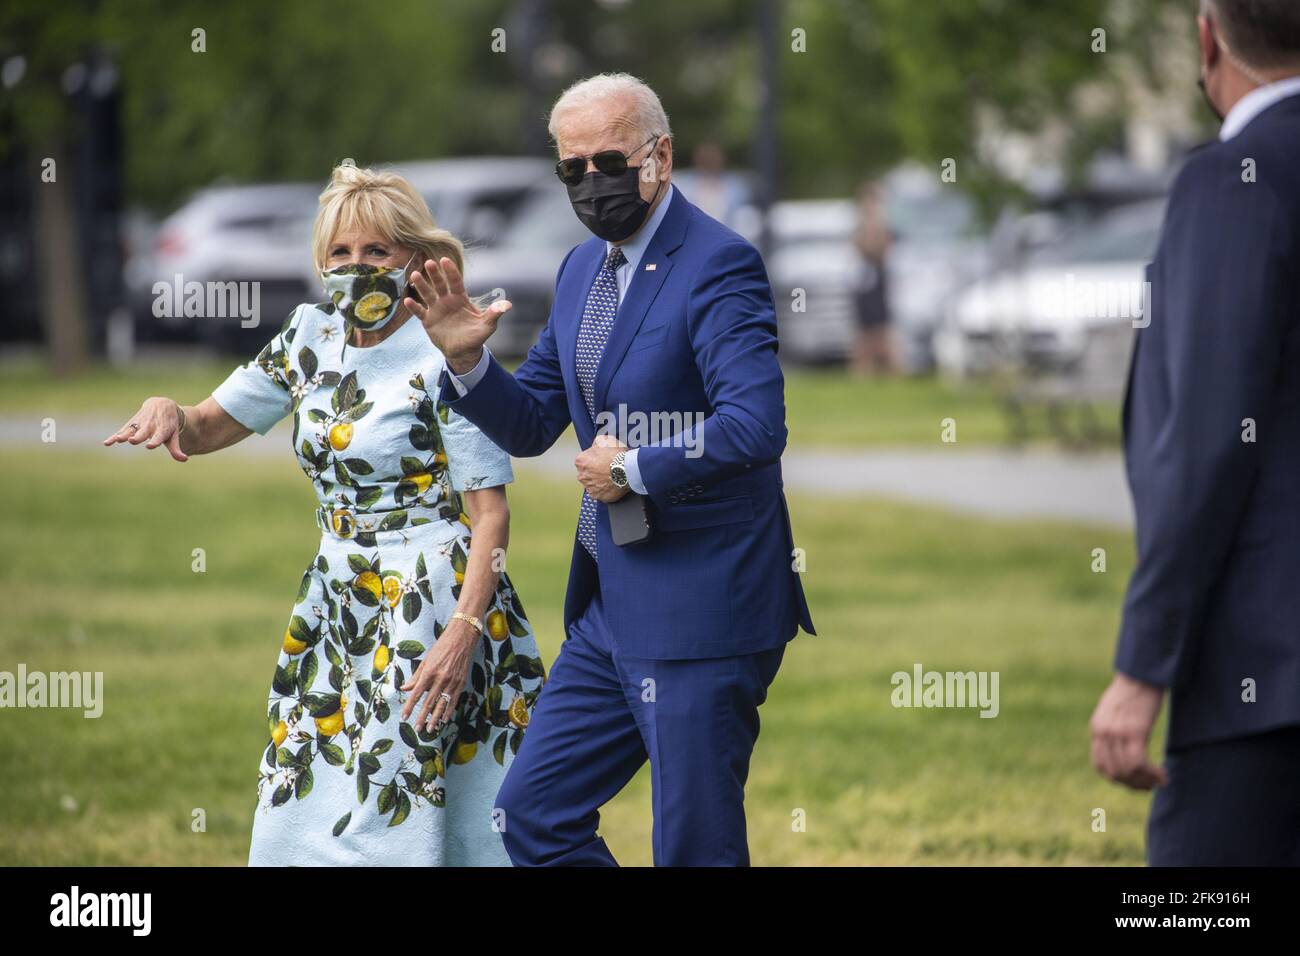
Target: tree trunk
{"type": "Point", "coordinates": [58, 252]}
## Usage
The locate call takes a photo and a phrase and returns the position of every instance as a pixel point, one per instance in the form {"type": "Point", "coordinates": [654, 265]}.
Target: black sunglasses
{"type": "Point", "coordinates": [609, 161]}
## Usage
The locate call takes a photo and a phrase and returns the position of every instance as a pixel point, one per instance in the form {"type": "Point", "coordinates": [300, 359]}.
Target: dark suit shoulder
{"type": "Point", "coordinates": [719, 252]}
{"type": "Point", "coordinates": [1236, 181]}
{"type": "Point", "coordinates": [581, 256]}
{"type": "Point", "coordinates": [701, 227]}
{"type": "Point", "coordinates": [1209, 165]}
{"type": "Point", "coordinates": [713, 248]}
{"type": "Point", "coordinates": [1262, 155]}
{"type": "Point", "coordinates": [1276, 128]}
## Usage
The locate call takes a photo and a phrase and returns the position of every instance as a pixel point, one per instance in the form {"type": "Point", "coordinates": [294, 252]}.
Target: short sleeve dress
{"type": "Point", "coordinates": [343, 780]}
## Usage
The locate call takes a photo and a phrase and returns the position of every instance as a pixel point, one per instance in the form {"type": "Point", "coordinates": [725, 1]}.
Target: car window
{"type": "Point", "coordinates": [941, 215]}
{"type": "Point", "coordinates": [546, 220]}
{"type": "Point", "coordinates": [1122, 236]}
{"type": "Point", "coordinates": [480, 217]}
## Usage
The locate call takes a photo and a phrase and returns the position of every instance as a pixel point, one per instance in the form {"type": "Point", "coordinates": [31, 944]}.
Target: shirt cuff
{"type": "Point", "coordinates": [463, 383]}
{"type": "Point", "coordinates": [633, 472]}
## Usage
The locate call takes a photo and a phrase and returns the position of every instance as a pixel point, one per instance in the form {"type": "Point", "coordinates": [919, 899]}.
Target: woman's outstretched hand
{"type": "Point", "coordinates": [157, 423]}
{"type": "Point", "coordinates": [453, 322]}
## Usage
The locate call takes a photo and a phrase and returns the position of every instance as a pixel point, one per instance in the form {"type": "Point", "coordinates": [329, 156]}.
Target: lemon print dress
{"type": "Point", "coordinates": [343, 779]}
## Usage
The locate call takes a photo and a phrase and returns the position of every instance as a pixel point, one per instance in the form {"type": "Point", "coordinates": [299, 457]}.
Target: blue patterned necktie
{"type": "Point", "coordinates": [593, 333]}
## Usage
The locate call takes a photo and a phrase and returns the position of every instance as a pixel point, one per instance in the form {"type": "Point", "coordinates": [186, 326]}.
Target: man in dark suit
{"type": "Point", "coordinates": [1212, 441]}
{"type": "Point", "coordinates": [671, 642]}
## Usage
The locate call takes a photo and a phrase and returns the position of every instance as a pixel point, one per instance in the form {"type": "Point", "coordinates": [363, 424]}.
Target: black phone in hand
{"type": "Point", "coordinates": [629, 519]}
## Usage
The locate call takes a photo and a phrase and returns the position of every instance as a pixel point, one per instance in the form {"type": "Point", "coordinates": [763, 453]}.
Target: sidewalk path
{"type": "Point", "coordinates": [997, 483]}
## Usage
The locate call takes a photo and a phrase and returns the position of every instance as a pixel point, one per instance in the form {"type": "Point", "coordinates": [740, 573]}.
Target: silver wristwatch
{"type": "Point", "coordinates": [617, 473]}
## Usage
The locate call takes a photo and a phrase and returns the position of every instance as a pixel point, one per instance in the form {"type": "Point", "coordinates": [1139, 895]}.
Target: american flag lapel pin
{"type": "Point", "coordinates": [649, 267]}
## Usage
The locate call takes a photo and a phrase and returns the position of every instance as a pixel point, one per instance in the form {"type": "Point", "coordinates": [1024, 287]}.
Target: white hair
{"type": "Point", "coordinates": [646, 112]}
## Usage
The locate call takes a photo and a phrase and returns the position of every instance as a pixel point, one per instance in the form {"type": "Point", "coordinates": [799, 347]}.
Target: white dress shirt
{"type": "Point", "coordinates": [633, 250]}
{"type": "Point", "coordinates": [1254, 103]}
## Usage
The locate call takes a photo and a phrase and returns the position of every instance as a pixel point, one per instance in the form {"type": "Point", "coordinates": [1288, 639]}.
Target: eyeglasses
{"type": "Point", "coordinates": [609, 161]}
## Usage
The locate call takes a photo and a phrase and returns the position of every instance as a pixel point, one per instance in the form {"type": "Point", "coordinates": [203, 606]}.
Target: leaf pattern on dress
{"type": "Point", "coordinates": [366, 613]}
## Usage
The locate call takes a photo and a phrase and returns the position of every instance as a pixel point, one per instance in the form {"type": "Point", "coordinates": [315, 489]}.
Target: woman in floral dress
{"type": "Point", "coordinates": [408, 670]}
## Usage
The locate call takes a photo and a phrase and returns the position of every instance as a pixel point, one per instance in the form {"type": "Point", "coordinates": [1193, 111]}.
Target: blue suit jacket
{"type": "Point", "coordinates": [1215, 597]}
{"type": "Point", "coordinates": [697, 333]}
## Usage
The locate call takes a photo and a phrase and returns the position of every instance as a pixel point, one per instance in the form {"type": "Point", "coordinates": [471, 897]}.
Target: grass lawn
{"type": "Point", "coordinates": [98, 573]}
{"type": "Point", "coordinates": [824, 408]}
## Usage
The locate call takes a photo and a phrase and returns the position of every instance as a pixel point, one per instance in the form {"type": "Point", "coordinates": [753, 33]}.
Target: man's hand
{"type": "Point", "coordinates": [1121, 728]}
{"type": "Point", "coordinates": [454, 323]}
{"type": "Point", "coordinates": [593, 469]}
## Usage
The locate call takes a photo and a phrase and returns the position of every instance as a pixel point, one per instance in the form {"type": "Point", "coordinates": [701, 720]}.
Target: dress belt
{"type": "Point", "coordinates": [343, 522]}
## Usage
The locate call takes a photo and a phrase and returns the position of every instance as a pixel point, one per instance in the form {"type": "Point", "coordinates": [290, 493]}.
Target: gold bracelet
{"type": "Point", "coordinates": [468, 619]}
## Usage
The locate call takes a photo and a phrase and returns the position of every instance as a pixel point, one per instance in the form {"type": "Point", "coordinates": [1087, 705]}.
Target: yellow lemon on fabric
{"type": "Point", "coordinates": [372, 307]}
{"type": "Point", "coordinates": [292, 645]}
{"type": "Point", "coordinates": [518, 712]}
{"type": "Point", "coordinates": [440, 460]}
{"type": "Point", "coordinates": [460, 577]}
{"type": "Point", "coordinates": [422, 481]}
{"type": "Point", "coordinates": [381, 657]}
{"type": "Point", "coordinates": [331, 725]}
{"type": "Point", "coordinates": [392, 589]}
{"type": "Point", "coordinates": [464, 752]}
{"type": "Point", "coordinates": [341, 436]}
{"type": "Point", "coordinates": [464, 519]}
{"type": "Point", "coordinates": [369, 581]}
{"type": "Point", "coordinates": [496, 625]}
{"type": "Point", "coordinates": [280, 732]}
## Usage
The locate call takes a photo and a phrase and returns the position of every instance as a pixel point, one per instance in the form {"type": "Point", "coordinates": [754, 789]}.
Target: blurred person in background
{"type": "Point", "coordinates": [1212, 441]}
{"type": "Point", "coordinates": [403, 602]}
{"type": "Point", "coordinates": [873, 349]}
{"type": "Point", "coordinates": [672, 639]}
{"type": "Point", "coordinates": [719, 195]}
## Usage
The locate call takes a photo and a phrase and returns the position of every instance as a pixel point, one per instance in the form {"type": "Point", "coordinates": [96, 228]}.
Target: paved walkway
{"type": "Point", "coordinates": [993, 482]}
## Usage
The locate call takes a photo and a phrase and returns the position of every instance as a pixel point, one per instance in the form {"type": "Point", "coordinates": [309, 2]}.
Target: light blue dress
{"type": "Point", "coordinates": [343, 780]}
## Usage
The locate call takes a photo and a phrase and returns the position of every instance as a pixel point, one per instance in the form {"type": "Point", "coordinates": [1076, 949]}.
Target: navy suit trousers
{"type": "Point", "coordinates": [601, 715]}
{"type": "Point", "coordinates": [1230, 803]}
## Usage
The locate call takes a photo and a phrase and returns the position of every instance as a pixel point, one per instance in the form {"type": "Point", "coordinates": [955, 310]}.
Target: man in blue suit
{"type": "Point", "coordinates": [665, 317]}
{"type": "Point", "coordinates": [1212, 439]}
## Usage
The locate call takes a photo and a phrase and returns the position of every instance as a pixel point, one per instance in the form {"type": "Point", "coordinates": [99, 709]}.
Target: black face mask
{"type": "Point", "coordinates": [610, 206]}
{"type": "Point", "coordinates": [1200, 81]}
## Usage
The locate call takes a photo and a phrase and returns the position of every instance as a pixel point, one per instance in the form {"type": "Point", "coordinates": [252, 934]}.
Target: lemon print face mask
{"type": "Point", "coordinates": [366, 296]}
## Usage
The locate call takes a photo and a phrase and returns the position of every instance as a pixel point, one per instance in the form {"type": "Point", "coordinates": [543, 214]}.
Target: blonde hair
{"type": "Point", "coordinates": [359, 198]}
